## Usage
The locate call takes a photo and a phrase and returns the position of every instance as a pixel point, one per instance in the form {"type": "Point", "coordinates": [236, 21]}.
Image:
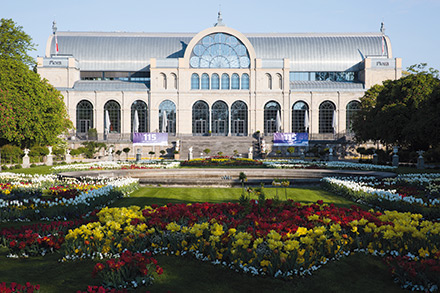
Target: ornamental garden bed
{"type": "Point", "coordinates": [272, 238]}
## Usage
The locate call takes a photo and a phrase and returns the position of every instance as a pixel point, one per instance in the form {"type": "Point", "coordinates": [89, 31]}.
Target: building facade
{"type": "Point", "coordinates": [217, 82]}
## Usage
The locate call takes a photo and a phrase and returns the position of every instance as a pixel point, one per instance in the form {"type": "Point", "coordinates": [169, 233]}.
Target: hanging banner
{"type": "Point", "coordinates": [150, 138]}
{"type": "Point", "coordinates": [290, 139]}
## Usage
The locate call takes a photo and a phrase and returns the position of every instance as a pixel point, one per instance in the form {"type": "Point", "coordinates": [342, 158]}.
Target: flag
{"type": "Point", "coordinates": [334, 121]}
{"type": "Point", "coordinates": [56, 43]}
{"type": "Point", "coordinates": [164, 121]}
{"type": "Point", "coordinates": [306, 120]}
{"type": "Point", "coordinates": [136, 122]}
{"type": "Point", "coordinates": [278, 122]}
{"type": "Point", "coordinates": [107, 122]}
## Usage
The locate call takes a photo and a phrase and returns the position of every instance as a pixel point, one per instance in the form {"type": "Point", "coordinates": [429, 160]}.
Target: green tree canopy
{"type": "Point", "coordinates": [32, 112]}
{"type": "Point", "coordinates": [401, 111]}
{"type": "Point", "coordinates": [15, 43]}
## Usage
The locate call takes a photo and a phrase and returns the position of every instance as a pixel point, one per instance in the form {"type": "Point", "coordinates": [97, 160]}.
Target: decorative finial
{"type": "Point", "coordinates": [54, 27]}
{"type": "Point", "coordinates": [382, 27]}
{"type": "Point", "coordinates": [219, 18]}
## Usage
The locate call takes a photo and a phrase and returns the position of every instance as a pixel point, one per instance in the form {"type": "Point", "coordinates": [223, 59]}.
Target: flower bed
{"type": "Point", "coordinates": [280, 240]}
{"type": "Point", "coordinates": [412, 192]}
{"type": "Point", "coordinates": [301, 164]}
{"type": "Point", "coordinates": [221, 161]}
{"type": "Point", "coordinates": [150, 164]}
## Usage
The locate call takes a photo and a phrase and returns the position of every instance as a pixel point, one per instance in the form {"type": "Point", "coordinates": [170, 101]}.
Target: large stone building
{"type": "Point", "coordinates": [217, 82]}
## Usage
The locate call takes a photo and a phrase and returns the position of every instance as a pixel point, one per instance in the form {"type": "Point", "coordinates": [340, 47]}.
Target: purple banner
{"type": "Point", "coordinates": [150, 138]}
{"type": "Point", "coordinates": [291, 139]}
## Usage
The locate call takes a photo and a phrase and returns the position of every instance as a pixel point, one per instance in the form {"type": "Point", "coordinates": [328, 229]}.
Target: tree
{"type": "Point", "coordinates": [401, 111]}
{"type": "Point", "coordinates": [32, 112]}
{"type": "Point", "coordinates": [15, 43]}
{"type": "Point", "coordinates": [126, 151]}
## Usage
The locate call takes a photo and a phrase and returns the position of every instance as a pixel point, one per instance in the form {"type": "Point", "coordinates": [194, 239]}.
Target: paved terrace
{"type": "Point", "coordinates": [225, 177]}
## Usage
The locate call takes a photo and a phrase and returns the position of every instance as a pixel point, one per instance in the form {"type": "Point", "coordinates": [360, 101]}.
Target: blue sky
{"type": "Point", "coordinates": [412, 25]}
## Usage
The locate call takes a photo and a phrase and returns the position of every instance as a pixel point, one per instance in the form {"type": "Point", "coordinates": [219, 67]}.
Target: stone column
{"type": "Point", "coordinates": [190, 153]}
{"type": "Point", "coordinates": [49, 160]}
{"type": "Point", "coordinates": [26, 161]}
{"type": "Point", "coordinates": [395, 156]}
{"type": "Point", "coordinates": [250, 153]}
{"type": "Point", "coordinates": [420, 160]}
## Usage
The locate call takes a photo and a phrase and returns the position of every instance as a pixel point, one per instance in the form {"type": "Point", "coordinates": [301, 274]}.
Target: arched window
{"type": "Point", "coordinates": [352, 108]}
{"type": "Point", "coordinates": [239, 118]}
{"type": "Point", "coordinates": [271, 110]}
{"type": "Point", "coordinates": [167, 117]}
{"type": "Point", "coordinates": [300, 117]}
{"type": "Point", "coordinates": [225, 81]}
{"type": "Point", "coordinates": [215, 81]}
{"type": "Point", "coordinates": [139, 107]}
{"type": "Point", "coordinates": [114, 113]}
{"type": "Point", "coordinates": [205, 81]}
{"type": "Point", "coordinates": [327, 117]}
{"type": "Point", "coordinates": [200, 118]}
{"type": "Point", "coordinates": [269, 81]}
{"type": "Point", "coordinates": [163, 79]}
{"type": "Point", "coordinates": [245, 81]}
{"type": "Point", "coordinates": [195, 81]}
{"type": "Point", "coordinates": [84, 116]}
{"type": "Point", "coordinates": [219, 50]}
{"type": "Point", "coordinates": [235, 82]}
{"type": "Point", "coordinates": [220, 118]}
{"type": "Point", "coordinates": [174, 80]}
{"type": "Point", "coordinates": [280, 81]}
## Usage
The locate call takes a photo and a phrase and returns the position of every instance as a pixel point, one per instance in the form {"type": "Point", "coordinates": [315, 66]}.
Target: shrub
{"type": "Point", "coordinates": [38, 152]}
{"type": "Point", "coordinates": [92, 134]}
{"type": "Point", "coordinates": [11, 152]}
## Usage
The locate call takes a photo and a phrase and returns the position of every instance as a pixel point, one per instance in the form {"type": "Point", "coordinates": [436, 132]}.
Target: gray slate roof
{"type": "Point", "coordinates": [107, 85]}
{"type": "Point", "coordinates": [122, 51]}
{"type": "Point", "coordinates": [301, 86]}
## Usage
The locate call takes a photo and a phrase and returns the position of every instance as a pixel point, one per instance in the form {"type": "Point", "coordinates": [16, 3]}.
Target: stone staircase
{"type": "Point", "coordinates": [224, 144]}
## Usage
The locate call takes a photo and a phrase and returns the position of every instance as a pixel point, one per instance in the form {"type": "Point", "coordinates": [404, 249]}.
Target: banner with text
{"type": "Point", "coordinates": [150, 138]}
{"type": "Point", "coordinates": [291, 139]}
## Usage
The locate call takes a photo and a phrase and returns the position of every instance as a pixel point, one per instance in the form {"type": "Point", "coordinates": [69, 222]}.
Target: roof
{"type": "Point", "coordinates": [300, 86]}
{"type": "Point", "coordinates": [106, 85]}
{"type": "Point", "coordinates": [122, 51]}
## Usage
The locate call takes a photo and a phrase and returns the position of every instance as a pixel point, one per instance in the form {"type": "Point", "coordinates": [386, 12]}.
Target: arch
{"type": "Point", "coordinates": [174, 80]}
{"type": "Point", "coordinates": [195, 81]}
{"type": "Point", "coordinates": [279, 81]}
{"type": "Point", "coordinates": [200, 118]}
{"type": "Point", "coordinates": [270, 113]}
{"type": "Point", "coordinates": [163, 80]}
{"type": "Point", "coordinates": [327, 117]}
{"type": "Point", "coordinates": [245, 81]}
{"type": "Point", "coordinates": [239, 119]}
{"type": "Point", "coordinates": [114, 113]}
{"type": "Point", "coordinates": [351, 109]}
{"type": "Point", "coordinates": [169, 108]}
{"type": "Point", "coordinates": [84, 116]}
{"type": "Point", "coordinates": [225, 81]}
{"type": "Point", "coordinates": [269, 81]}
{"type": "Point", "coordinates": [142, 111]}
{"type": "Point", "coordinates": [205, 81]}
{"type": "Point", "coordinates": [220, 118]}
{"type": "Point", "coordinates": [215, 81]}
{"type": "Point", "coordinates": [300, 120]}
{"type": "Point", "coordinates": [235, 81]}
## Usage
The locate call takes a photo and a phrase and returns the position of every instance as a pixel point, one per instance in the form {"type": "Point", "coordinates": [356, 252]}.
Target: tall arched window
{"type": "Point", "coordinates": [235, 82]}
{"type": "Point", "coordinates": [280, 81]}
{"type": "Point", "coordinates": [327, 119]}
{"type": "Point", "coordinates": [167, 117]}
{"type": "Point", "coordinates": [220, 118]}
{"type": "Point", "coordinates": [205, 81]}
{"type": "Point", "coordinates": [269, 81]}
{"type": "Point", "coordinates": [142, 112]}
{"type": "Point", "coordinates": [200, 118]}
{"type": "Point", "coordinates": [225, 81]}
{"type": "Point", "coordinates": [245, 81]}
{"type": "Point", "coordinates": [163, 79]}
{"type": "Point", "coordinates": [300, 117]}
{"type": "Point", "coordinates": [239, 118]}
{"type": "Point", "coordinates": [270, 116]}
{"type": "Point", "coordinates": [114, 113]}
{"type": "Point", "coordinates": [195, 81]}
{"type": "Point", "coordinates": [173, 80]}
{"type": "Point", "coordinates": [352, 108]}
{"type": "Point", "coordinates": [215, 81]}
{"type": "Point", "coordinates": [84, 116]}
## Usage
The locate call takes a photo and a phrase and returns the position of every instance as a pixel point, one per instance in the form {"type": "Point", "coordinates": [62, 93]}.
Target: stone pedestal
{"type": "Point", "coordinates": [26, 162]}
{"type": "Point", "coordinates": [49, 160]}
{"type": "Point", "coordinates": [190, 156]}
{"type": "Point", "coordinates": [68, 158]}
{"type": "Point", "coordinates": [250, 155]}
{"type": "Point", "coordinates": [420, 160]}
{"type": "Point", "coordinates": [375, 159]}
{"type": "Point", "coordinates": [396, 160]}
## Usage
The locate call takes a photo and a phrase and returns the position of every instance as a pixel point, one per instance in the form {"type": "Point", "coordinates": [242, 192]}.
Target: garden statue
{"type": "Point", "coordinates": [190, 154]}
{"type": "Point", "coordinates": [420, 160]}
